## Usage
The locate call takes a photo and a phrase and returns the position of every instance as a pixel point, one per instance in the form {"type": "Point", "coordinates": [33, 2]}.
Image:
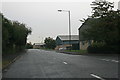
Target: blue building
{"type": "Point", "coordinates": [62, 41]}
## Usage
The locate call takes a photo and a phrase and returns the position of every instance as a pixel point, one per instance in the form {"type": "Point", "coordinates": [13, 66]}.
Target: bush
{"type": "Point", "coordinates": [29, 46]}
{"type": "Point", "coordinates": [102, 48]}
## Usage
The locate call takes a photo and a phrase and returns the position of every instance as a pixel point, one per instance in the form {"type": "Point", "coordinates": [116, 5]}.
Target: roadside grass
{"type": "Point", "coordinates": [78, 51]}
{"type": "Point", "coordinates": [5, 63]}
{"type": "Point", "coordinates": [8, 58]}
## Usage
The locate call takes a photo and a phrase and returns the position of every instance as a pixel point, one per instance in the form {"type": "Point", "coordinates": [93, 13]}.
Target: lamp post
{"type": "Point", "coordinates": [69, 26]}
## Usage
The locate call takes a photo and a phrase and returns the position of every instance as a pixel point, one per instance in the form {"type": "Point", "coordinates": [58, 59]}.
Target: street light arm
{"type": "Point", "coordinates": [64, 10]}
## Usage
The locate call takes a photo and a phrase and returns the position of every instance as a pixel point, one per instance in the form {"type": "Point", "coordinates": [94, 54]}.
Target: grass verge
{"type": "Point", "coordinates": [5, 63]}
{"type": "Point", "coordinates": [7, 59]}
{"type": "Point", "coordinates": [78, 51]}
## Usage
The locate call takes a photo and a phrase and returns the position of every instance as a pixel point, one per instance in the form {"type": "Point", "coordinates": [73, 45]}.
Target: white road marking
{"type": "Point", "coordinates": [110, 60]}
{"type": "Point", "coordinates": [115, 61]}
{"type": "Point", "coordinates": [105, 59]}
{"type": "Point", "coordinates": [98, 77]}
{"type": "Point", "coordinates": [65, 62]}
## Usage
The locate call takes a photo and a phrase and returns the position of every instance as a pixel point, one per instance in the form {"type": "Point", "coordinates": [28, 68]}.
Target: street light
{"type": "Point", "coordinates": [69, 26]}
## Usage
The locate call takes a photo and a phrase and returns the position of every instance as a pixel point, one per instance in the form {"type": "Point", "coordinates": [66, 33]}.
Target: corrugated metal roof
{"type": "Point", "coordinates": [66, 37]}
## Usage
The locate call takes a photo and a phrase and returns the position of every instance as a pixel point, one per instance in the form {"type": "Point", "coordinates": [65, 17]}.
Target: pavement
{"type": "Point", "coordinates": [50, 64]}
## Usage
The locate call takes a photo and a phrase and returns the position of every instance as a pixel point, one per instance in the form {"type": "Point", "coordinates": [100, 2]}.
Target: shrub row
{"type": "Point", "coordinates": [102, 48]}
{"type": "Point", "coordinates": [14, 35]}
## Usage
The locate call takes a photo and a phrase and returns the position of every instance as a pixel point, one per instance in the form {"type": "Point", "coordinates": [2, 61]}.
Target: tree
{"type": "Point", "coordinates": [20, 33]}
{"type": "Point", "coordinates": [14, 35]}
{"type": "Point", "coordinates": [29, 45]}
{"type": "Point", "coordinates": [104, 30]}
{"type": "Point", "coordinates": [50, 43]}
{"type": "Point", "coordinates": [105, 26]}
{"type": "Point", "coordinates": [101, 8]}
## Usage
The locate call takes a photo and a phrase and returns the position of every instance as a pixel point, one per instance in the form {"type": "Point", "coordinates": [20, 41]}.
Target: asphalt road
{"type": "Point", "coordinates": [50, 64]}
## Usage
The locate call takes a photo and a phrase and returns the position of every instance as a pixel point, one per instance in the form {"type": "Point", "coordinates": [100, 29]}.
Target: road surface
{"type": "Point", "coordinates": [50, 64]}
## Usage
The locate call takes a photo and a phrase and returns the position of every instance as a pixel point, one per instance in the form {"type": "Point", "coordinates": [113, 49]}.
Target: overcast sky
{"type": "Point", "coordinates": [43, 17]}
